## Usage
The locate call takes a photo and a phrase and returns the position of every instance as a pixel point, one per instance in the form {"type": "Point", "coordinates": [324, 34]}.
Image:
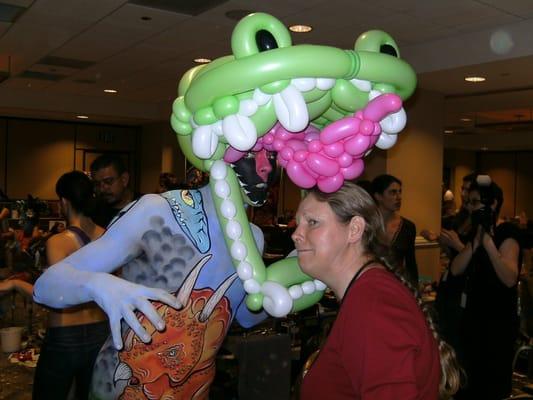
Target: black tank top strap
{"type": "Point", "coordinates": [82, 236]}
{"type": "Point", "coordinates": [359, 272]}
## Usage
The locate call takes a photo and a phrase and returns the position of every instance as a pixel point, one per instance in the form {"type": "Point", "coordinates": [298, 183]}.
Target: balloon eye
{"type": "Point", "coordinates": [388, 49]}
{"type": "Point", "coordinates": [265, 40]}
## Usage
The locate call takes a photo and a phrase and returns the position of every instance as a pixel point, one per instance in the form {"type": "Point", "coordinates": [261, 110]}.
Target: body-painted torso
{"type": "Point", "coordinates": [179, 362]}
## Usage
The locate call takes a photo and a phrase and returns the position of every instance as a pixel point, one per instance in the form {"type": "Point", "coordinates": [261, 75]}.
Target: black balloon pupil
{"type": "Point", "coordinates": [388, 49]}
{"type": "Point", "coordinates": [265, 40]}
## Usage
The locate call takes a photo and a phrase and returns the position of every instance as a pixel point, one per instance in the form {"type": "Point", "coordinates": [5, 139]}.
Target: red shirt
{"type": "Point", "coordinates": [380, 346]}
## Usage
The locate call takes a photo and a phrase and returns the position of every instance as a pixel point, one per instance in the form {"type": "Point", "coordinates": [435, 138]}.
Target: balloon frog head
{"type": "Point", "coordinates": [320, 109]}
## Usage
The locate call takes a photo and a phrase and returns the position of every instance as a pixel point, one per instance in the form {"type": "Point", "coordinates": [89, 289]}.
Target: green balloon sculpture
{"type": "Point", "coordinates": [271, 94]}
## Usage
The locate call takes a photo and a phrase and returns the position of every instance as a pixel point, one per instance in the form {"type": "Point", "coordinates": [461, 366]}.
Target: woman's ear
{"type": "Point", "coordinates": [357, 228]}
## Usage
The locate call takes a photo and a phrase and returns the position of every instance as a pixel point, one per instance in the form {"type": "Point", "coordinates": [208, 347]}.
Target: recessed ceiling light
{"type": "Point", "coordinates": [202, 60]}
{"type": "Point", "coordinates": [484, 148]}
{"type": "Point", "coordinates": [300, 28]}
{"type": "Point", "coordinates": [110, 91]}
{"type": "Point", "coordinates": [448, 131]}
{"type": "Point", "coordinates": [466, 119]}
{"type": "Point", "coordinates": [82, 116]}
{"type": "Point", "coordinates": [475, 79]}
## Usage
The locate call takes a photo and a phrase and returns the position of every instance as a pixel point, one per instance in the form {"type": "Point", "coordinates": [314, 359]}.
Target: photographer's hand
{"type": "Point", "coordinates": [504, 259]}
{"type": "Point", "coordinates": [477, 238]}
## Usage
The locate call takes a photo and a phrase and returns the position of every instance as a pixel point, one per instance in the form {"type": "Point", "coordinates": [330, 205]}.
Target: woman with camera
{"type": "Point", "coordinates": [490, 262]}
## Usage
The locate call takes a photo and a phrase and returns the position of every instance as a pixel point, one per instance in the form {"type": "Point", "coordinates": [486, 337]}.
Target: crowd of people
{"type": "Point", "coordinates": [384, 343]}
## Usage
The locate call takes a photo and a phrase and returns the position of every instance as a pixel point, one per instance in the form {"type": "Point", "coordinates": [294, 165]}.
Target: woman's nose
{"type": "Point", "coordinates": [296, 235]}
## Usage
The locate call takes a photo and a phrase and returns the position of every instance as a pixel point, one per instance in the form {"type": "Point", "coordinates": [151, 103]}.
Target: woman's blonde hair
{"type": "Point", "coordinates": [350, 201]}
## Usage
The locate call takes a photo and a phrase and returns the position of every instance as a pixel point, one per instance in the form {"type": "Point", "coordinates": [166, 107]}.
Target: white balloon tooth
{"type": "Point", "coordinates": [260, 97]}
{"type": "Point", "coordinates": [218, 170]}
{"type": "Point", "coordinates": [296, 291]}
{"type": "Point", "coordinates": [291, 109]}
{"type": "Point", "coordinates": [248, 108]}
{"type": "Point", "coordinates": [373, 94]}
{"type": "Point", "coordinates": [325, 83]}
{"type": "Point", "coordinates": [394, 123]}
{"type": "Point", "coordinates": [364, 86]}
{"type": "Point", "coordinates": [239, 131]}
{"type": "Point", "coordinates": [244, 270]}
{"type": "Point", "coordinates": [222, 189]}
{"type": "Point", "coordinates": [217, 128]}
{"type": "Point", "coordinates": [304, 84]}
{"type": "Point", "coordinates": [386, 141]}
{"type": "Point", "coordinates": [319, 285]}
{"type": "Point", "coordinates": [308, 287]}
{"type": "Point", "coordinates": [252, 286]}
{"type": "Point", "coordinates": [204, 141]}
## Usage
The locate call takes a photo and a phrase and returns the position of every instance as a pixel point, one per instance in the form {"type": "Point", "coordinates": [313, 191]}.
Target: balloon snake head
{"type": "Point", "coordinates": [320, 109]}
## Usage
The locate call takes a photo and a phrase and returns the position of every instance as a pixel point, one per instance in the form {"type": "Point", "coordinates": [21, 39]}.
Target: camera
{"type": "Point", "coordinates": [484, 217]}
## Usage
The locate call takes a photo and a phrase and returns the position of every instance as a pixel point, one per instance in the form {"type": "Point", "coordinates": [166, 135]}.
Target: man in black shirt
{"type": "Point", "coordinates": [111, 181]}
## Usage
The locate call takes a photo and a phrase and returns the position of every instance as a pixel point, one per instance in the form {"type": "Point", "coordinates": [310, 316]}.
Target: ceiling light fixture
{"type": "Point", "coordinates": [466, 119]}
{"type": "Point", "coordinates": [202, 60]}
{"type": "Point", "coordinates": [82, 117]}
{"type": "Point", "coordinates": [110, 91]}
{"type": "Point", "coordinates": [475, 79]}
{"type": "Point", "coordinates": [300, 28]}
{"type": "Point", "coordinates": [448, 131]}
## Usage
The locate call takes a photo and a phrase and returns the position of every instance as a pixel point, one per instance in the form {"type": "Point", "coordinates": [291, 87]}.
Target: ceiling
{"type": "Point", "coordinates": [58, 56]}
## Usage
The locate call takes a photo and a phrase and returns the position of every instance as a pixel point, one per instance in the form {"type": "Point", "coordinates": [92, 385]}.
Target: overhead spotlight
{"type": "Point", "coordinates": [82, 117]}
{"type": "Point", "coordinates": [448, 131]}
{"type": "Point", "coordinates": [475, 79]}
{"type": "Point", "coordinates": [466, 119]}
{"type": "Point", "coordinates": [110, 91]}
{"type": "Point", "coordinates": [300, 28]}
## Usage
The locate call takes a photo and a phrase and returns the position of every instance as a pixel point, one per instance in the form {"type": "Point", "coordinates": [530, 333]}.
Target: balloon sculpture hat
{"type": "Point", "coordinates": [320, 108]}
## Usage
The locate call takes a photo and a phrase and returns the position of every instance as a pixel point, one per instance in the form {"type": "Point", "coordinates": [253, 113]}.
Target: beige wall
{"type": "Point", "coordinates": [417, 160]}
{"type": "Point", "coordinates": [38, 152]}
{"type": "Point", "coordinates": [159, 152]}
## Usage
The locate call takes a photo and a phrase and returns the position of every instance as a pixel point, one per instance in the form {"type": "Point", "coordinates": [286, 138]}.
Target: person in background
{"type": "Point", "coordinates": [401, 232]}
{"type": "Point", "coordinates": [452, 238]}
{"type": "Point", "coordinates": [111, 180]}
{"type": "Point", "coordinates": [490, 262]}
{"type": "Point", "coordinates": [74, 336]}
{"type": "Point", "coordinates": [382, 345]}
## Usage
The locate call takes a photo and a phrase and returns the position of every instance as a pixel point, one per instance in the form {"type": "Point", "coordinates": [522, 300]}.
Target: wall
{"type": "Point", "coordinates": [159, 152]}
{"type": "Point", "coordinates": [417, 160]}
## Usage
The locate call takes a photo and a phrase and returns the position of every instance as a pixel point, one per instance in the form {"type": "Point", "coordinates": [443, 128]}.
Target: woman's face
{"type": "Point", "coordinates": [474, 201]}
{"type": "Point", "coordinates": [320, 239]}
{"type": "Point", "coordinates": [391, 198]}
